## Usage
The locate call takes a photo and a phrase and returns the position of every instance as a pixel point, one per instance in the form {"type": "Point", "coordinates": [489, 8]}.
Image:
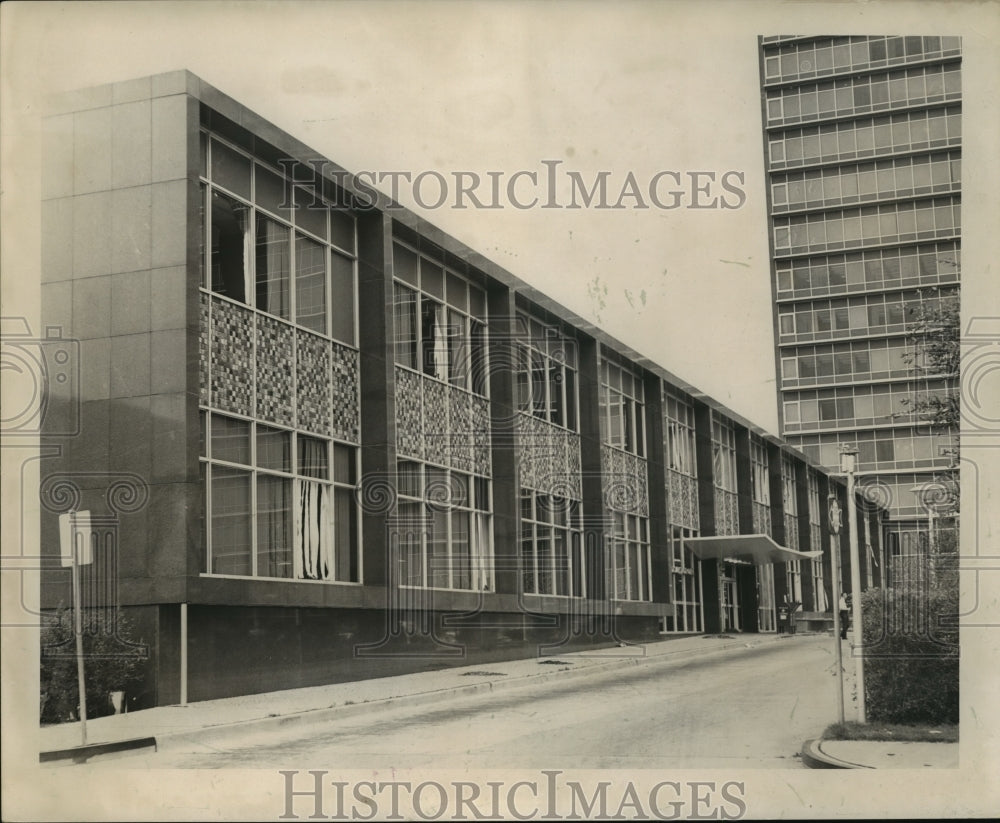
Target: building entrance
{"type": "Point", "coordinates": [730, 596]}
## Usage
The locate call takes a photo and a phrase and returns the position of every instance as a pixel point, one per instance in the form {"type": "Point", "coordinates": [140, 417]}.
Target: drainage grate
{"type": "Point", "coordinates": [484, 674]}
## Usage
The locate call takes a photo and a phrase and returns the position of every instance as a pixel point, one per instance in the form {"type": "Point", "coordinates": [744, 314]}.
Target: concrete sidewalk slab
{"type": "Point", "coordinates": [872, 754]}
{"type": "Point", "coordinates": [217, 719]}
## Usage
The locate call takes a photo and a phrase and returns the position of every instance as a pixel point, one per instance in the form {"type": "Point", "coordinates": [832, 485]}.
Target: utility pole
{"type": "Point", "coordinates": [848, 465]}
{"type": "Point", "coordinates": [834, 518]}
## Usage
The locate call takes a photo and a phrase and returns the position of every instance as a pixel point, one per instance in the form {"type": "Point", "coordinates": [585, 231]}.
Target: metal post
{"type": "Point", "coordinates": [78, 626]}
{"type": "Point", "coordinates": [839, 653]}
{"type": "Point", "coordinates": [859, 651]}
{"type": "Point", "coordinates": [184, 654]}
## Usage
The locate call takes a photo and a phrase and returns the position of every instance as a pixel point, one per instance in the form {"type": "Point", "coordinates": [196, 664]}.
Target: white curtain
{"type": "Point", "coordinates": [483, 561]}
{"type": "Point", "coordinates": [313, 532]}
{"type": "Point", "coordinates": [440, 346]}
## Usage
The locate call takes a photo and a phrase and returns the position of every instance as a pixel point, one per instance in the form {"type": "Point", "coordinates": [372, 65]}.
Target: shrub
{"type": "Point", "coordinates": [112, 662]}
{"type": "Point", "coordinates": [912, 649]}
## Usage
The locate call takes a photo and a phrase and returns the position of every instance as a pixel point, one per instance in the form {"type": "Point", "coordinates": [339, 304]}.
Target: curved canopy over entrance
{"type": "Point", "coordinates": [757, 549]}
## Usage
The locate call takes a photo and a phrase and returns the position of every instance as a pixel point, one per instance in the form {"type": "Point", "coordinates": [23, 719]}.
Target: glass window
{"type": "Point", "coordinates": [432, 278]}
{"type": "Point", "coordinates": [230, 522]}
{"type": "Point", "coordinates": [312, 457]}
{"type": "Point", "coordinates": [230, 169]}
{"type": "Point", "coordinates": [274, 449]}
{"type": "Point", "coordinates": [342, 298]}
{"type": "Point", "coordinates": [269, 192]}
{"type": "Point", "coordinates": [405, 323]}
{"type": "Point", "coordinates": [310, 284]}
{"type": "Point", "coordinates": [274, 527]}
{"type": "Point", "coordinates": [434, 357]}
{"type": "Point", "coordinates": [310, 212]}
{"type": "Point", "coordinates": [405, 265]}
{"type": "Point", "coordinates": [230, 439]}
{"type": "Point", "coordinates": [342, 229]}
{"type": "Point", "coordinates": [273, 267]}
{"type": "Point", "coordinates": [230, 236]}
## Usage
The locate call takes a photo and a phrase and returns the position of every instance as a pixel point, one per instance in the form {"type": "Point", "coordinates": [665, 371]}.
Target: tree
{"type": "Point", "coordinates": [933, 333]}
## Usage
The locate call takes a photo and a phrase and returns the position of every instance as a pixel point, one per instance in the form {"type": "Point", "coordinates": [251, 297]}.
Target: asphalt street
{"type": "Point", "coordinates": [747, 709]}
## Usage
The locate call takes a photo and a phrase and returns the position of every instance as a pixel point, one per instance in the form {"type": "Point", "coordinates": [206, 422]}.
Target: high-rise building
{"type": "Point", "coordinates": [862, 145]}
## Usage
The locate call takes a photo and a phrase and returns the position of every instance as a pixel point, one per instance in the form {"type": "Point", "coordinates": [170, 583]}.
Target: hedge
{"type": "Point", "coordinates": [912, 649]}
{"type": "Point", "coordinates": [112, 662]}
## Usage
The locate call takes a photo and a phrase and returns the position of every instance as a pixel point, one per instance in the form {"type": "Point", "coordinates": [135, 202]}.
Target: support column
{"type": "Point", "coordinates": [802, 506]}
{"type": "Point", "coordinates": [659, 521]}
{"type": "Point", "coordinates": [505, 445]}
{"type": "Point", "coordinates": [378, 381]}
{"type": "Point", "coordinates": [590, 461]}
{"type": "Point", "coordinates": [776, 494]}
{"type": "Point", "coordinates": [711, 595]}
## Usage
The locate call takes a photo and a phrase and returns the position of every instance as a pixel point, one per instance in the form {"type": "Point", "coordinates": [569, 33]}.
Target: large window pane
{"type": "Point", "coordinates": [230, 439]}
{"type": "Point", "coordinates": [231, 538]}
{"type": "Point", "coordinates": [230, 241]}
{"type": "Point", "coordinates": [274, 526]}
{"type": "Point", "coordinates": [342, 298]}
{"type": "Point", "coordinates": [345, 518]}
{"type": "Point", "coordinates": [273, 267]}
{"type": "Point", "coordinates": [230, 169]}
{"type": "Point", "coordinates": [313, 460]}
{"type": "Point", "coordinates": [274, 449]}
{"type": "Point", "coordinates": [405, 326]}
{"type": "Point", "coordinates": [435, 345]}
{"type": "Point", "coordinates": [272, 193]}
{"type": "Point", "coordinates": [310, 284]}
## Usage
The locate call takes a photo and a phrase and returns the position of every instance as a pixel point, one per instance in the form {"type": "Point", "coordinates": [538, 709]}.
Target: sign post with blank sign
{"type": "Point", "coordinates": [77, 550]}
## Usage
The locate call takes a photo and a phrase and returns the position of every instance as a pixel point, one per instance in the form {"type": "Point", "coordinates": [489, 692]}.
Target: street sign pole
{"type": "Point", "coordinates": [835, 585]}
{"type": "Point", "coordinates": [859, 643]}
{"type": "Point", "coordinates": [78, 624]}
{"type": "Point", "coordinates": [76, 550]}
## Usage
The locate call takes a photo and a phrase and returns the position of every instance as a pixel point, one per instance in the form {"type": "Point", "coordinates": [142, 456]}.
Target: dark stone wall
{"type": "Point", "coordinates": [242, 650]}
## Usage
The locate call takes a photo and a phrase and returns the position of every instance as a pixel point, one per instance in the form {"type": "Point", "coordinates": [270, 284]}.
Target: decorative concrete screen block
{"type": "Point", "coordinates": [232, 358]}
{"type": "Point", "coordinates": [792, 531]}
{"type": "Point", "coordinates": [346, 413]}
{"type": "Point", "coordinates": [527, 457]}
{"type": "Point", "coordinates": [203, 349]}
{"type": "Point", "coordinates": [409, 406]}
{"type": "Point", "coordinates": [312, 361]}
{"type": "Point", "coordinates": [574, 464]}
{"type": "Point", "coordinates": [536, 452]}
{"type": "Point", "coordinates": [727, 513]}
{"type": "Point", "coordinates": [481, 457]}
{"type": "Point", "coordinates": [436, 432]}
{"type": "Point", "coordinates": [683, 496]}
{"type": "Point", "coordinates": [276, 345]}
{"type": "Point", "coordinates": [550, 458]}
{"type": "Point", "coordinates": [761, 518]}
{"type": "Point", "coordinates": [460, 439]}
{"type": "Point", "coordinates": [569, 469]}
{"type": "Point", "coordinates": [626, 484]}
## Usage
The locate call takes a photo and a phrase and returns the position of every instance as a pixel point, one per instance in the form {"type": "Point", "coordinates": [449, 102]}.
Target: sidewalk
{"type": "Point", "coordinates": [216, 719]}
{"type": "Point", "coordinates": [865, 754]}
{"type": "Point", "coordinates": [872, 754]}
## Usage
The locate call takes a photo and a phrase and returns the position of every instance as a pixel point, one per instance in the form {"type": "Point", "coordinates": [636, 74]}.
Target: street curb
{"type": "Point", "coordinates": [264, 724]}
{"type": "Point", "coordinates": [815, 758]}
{"type": "Point", "coordinates": [81, 754]}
